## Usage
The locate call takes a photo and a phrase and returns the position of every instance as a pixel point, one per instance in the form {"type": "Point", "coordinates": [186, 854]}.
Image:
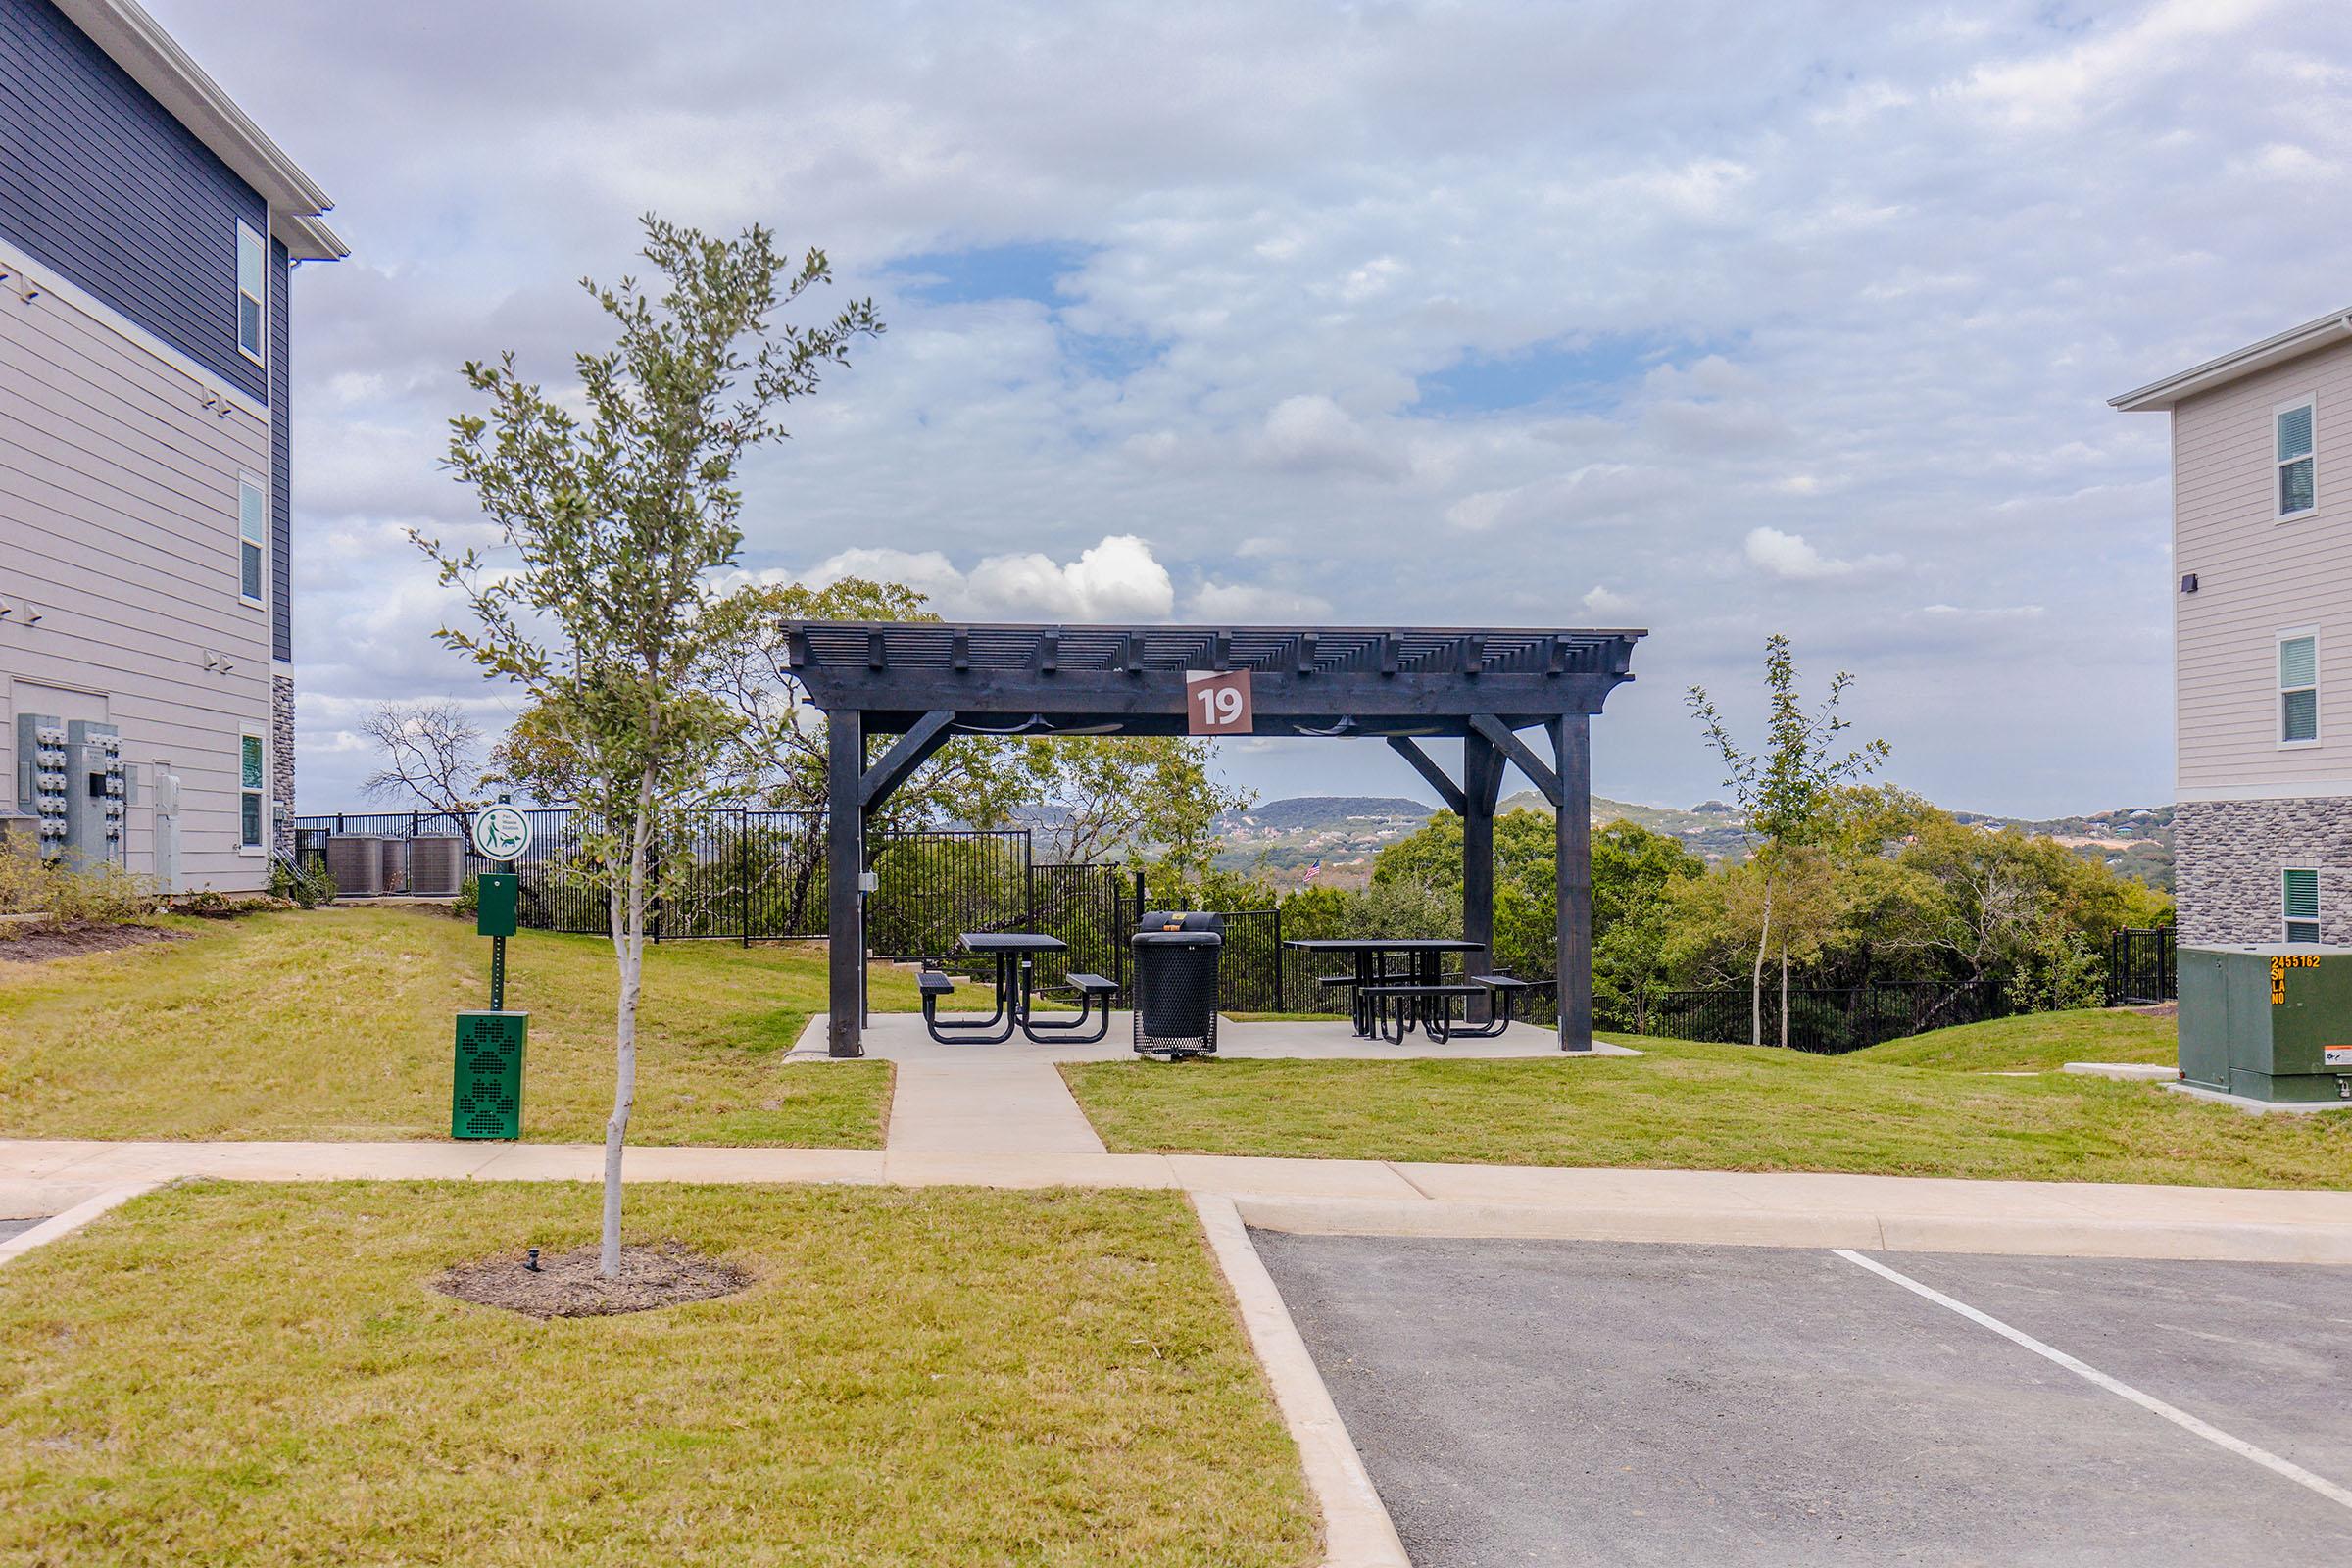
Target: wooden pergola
{"type": "Point", "coordinates": [926, 682]}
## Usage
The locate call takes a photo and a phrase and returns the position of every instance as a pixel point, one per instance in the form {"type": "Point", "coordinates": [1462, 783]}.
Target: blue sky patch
{"type": "Point", "coordinates": [1587, 373]}
{"type": "Point", "coordinates": [990, 273]}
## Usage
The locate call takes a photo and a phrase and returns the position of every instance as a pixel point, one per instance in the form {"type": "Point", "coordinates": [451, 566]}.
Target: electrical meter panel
{"type": "Point", "coordinates": [42, 784]}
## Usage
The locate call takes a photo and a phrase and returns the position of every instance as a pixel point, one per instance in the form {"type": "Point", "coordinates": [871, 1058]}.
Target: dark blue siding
{"type": "Point", "coordinates": [281, 466]}
{"type": "Point", "coordinates": [100, 182]}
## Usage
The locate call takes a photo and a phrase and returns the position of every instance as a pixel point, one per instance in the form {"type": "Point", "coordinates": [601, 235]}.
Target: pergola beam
{"type": "Point", "coordinates": [908, 753]}
{"type": "Point", "coordinates": [1544, 778]}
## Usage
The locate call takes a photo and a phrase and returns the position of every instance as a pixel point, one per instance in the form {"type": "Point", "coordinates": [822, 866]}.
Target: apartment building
{"type": "Point", "coordinates": [2262, 647]}
{"type": "Point", "coordinates": [148, 232]}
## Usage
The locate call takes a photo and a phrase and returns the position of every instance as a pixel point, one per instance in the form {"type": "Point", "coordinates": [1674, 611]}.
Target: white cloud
{"type": "Point", "coordinates": [1601, 600]}
{"type": "Point", "coordinates": [1116, 579]}
{"type": "Point", "coordinates": [1249, 603]}
{"type": "Point", "coordinates": [1313, 434]}
{"type": "Point", "coordinates": [1789, 556]}
{"type": "Point", "coordinates": [1441, 313]}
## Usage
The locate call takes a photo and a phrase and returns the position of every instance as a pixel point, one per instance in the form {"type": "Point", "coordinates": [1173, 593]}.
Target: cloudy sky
{"type": "Point", "coordinates": [1714, 318]}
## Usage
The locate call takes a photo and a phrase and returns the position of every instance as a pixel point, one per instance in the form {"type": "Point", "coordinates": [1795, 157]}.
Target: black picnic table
{"type": "Point", "coordinates": [1015, 958]}
{"type": "Point", "coordinates": [1422, 957]}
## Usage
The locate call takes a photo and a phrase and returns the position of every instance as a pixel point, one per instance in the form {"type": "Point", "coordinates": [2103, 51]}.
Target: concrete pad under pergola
{"type": "Point", "coordinates": [926, 682]}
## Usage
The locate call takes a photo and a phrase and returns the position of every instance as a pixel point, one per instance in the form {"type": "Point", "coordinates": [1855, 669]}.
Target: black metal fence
{"type": "Point", "coordinates": [761, 876]}
{"type": "Point", "coordinates": [2143, 967]}
{"type": "Point", "coordinates": [1825, 1021]}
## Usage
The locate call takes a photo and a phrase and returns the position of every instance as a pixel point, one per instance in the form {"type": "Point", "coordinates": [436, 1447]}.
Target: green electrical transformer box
{"type": "Point", "coordinates": [495, 894]}
{"type": "Point", "coordinates": [485, 1098]}
{"type": "Point", "coordinates": [2269, 1022]}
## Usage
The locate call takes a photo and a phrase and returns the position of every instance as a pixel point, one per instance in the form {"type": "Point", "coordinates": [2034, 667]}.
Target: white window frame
{"type": "Point", "coordinates": [260, 300]}
{"type": "Point", "coordinates": [245, 482]}
{"type": "Point", "coordinates": [2279, 464]}
{"type": "Point", "coordinates": [249, 733]}
{"type": "Point", "coordinates": [2279, 689]}
{"type": "Point", "coordinates": [2287, 921]}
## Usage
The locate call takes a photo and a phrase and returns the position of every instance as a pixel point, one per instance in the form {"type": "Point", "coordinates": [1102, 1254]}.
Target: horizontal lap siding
{"type": "Point", "coordinates": [118, 520]}
{"type": "Point", "coordinates": [98, 182]}
{"type": "Point", "coordinates": [2257, 577]}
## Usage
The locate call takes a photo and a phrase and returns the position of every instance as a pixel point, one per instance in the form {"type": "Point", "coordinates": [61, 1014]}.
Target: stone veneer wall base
{"type": "Point", "coordinates": [2227, 857]}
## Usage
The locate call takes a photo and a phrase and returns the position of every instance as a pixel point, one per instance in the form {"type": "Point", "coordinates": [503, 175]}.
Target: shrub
{"type": "Point", "coordinates": [105, 893]}
{"type": "Point", "coordinates": [468, 901]}
{"type": "Point", "coordinates": [306, 888]}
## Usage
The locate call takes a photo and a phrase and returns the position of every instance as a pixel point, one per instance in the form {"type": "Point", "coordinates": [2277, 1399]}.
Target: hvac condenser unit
{"type": "Point", "coordinates": [436, 864]}
{"type": "Point", "coordinates": [395, 865]}
{"type": "Point", "coordinates": [356, 861]}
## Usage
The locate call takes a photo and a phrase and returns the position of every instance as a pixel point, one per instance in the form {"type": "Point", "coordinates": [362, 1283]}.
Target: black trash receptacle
{"type": "Point", "coordinates": [1176, 958]}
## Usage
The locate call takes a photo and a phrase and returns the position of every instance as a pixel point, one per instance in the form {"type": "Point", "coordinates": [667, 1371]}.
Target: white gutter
{"type": "Point", "coordinates": [2241, 362]}
{"type": "Point", "coordinates": [137, 42]}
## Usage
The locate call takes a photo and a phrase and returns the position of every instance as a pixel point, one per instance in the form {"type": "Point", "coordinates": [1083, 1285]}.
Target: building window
{"type": "Point", "coordinates": [251, 766]}
{"type": "Point", "coordinates": [2298, 485]}
{"type": "Point", "coordinates": [252, 516]}
{"type": "Point", "coordinates": [2299, 689]}
{"type": "Point", "coordinates": [253, 273]}
{"type": "Point", "coordinates": [2302, 899]}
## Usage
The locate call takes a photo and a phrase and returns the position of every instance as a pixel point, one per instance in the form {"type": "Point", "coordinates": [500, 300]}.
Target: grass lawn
{"type": "Point", "coordinates": [239, 1374]}
{"type": "Point", "coordinates": [2042, 1041]}
{"type": "Point", "coordinates": [337, 1024]}
{"type": "Point", "coordinates": [1734, 1108]}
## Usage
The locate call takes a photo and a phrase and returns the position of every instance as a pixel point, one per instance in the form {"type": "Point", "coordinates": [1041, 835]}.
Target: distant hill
{"type": "Point", "coordinates": [1342, 833]}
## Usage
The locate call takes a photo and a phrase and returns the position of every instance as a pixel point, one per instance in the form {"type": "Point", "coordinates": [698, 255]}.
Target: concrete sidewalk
{"type": "Point", "coordinates": [1877, 1213]}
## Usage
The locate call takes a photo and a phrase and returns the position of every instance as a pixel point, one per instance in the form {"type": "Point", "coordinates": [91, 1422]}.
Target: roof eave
{"type": "Point", "coordinates": [137, 42]}
{"type": "Point", "coordinates": [2238, 364]}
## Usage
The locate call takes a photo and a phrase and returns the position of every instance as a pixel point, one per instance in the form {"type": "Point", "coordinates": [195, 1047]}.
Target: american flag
{"type": "Point", "coordinates": [1314, 871]}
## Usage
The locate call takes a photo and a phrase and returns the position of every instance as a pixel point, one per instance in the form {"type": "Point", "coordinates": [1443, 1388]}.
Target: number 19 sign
{"type": "Point", "coordinates": [1218, 703]}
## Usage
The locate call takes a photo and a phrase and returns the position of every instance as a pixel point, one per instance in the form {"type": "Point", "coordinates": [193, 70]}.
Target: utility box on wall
{"type": "Point", "coordinates": [486, 1098]}
{"type": "Point", "coordinates": [2269, 1022]}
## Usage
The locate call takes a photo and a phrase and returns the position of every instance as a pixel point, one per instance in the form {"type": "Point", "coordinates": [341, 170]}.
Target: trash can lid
{"type": "Point", "coordinates": [1180, 920]}
{"type": "Point", "coordinates": [1179, 939]}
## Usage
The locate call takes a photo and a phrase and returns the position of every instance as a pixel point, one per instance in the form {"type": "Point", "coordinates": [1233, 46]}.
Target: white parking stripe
{"type": "Point", "coordinates": [2146, 1401]}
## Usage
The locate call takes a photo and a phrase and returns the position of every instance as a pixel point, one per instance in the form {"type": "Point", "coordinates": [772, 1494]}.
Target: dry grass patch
{"type": "Point", "coordinates": [243, 1374]}
{"type": "Point", "coordinates": [336, 1023]}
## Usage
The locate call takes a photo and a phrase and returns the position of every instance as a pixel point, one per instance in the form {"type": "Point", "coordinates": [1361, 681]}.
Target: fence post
{"type": "Point", "coordinates": [1282, 995]}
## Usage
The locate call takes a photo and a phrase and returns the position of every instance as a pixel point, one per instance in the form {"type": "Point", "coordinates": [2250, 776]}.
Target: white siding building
{"type": "Point", "coordinates": [147, 230]}
{"type": "Point", "coordinates": [2262, 536]}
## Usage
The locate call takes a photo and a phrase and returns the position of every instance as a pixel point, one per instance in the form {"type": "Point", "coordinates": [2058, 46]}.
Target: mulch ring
{"type": "Point", "coordinates": [67, 939]}
{"type": "Point", "coordinates": [569, 1285]}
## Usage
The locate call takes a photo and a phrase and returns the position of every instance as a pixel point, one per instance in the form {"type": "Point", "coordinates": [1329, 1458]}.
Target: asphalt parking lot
{"type": "Point", "coordinates": [16, 1227]}
{"type": "Point", "coordinates": [1543, 1402]}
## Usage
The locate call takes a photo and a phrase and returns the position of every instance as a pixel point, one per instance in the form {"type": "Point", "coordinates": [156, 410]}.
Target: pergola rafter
{"type": "Point", "coordinates": [926, 682]}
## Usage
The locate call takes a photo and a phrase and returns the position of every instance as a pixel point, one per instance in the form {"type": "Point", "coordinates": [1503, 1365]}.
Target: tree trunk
{"type": "Point", "coordinates": [1755, 996]}
{"type": "Point", "coordinates": [630, 949]}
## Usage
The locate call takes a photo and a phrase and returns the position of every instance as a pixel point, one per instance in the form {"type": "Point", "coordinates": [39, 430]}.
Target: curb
{"type": "Point", "coordinates": [73, 1220]}
{"type": "Point", "coordinates": [2202, 1240]}
{"type": "Point", "coordinates": [1356, 1530]}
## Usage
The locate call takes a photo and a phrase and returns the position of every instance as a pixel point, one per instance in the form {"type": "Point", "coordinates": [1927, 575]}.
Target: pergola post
{"type": "Point", "coordinates": [845, 872]}
{"type": "Point", "coordinates": [1572, 745]}
{"type": "Point", "coordinates": [1482, 783]}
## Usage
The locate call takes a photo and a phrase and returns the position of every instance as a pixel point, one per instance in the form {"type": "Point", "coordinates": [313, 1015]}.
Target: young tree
{"type": "Point", "coordinates": [1786, 787]}
{"type": "Point", "coordinates": [432, 753]}
{"type": "Point", "coordinates": [612, 523]}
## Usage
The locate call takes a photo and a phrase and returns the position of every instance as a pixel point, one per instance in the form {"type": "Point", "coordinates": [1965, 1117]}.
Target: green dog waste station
{"type": "Point", "coordinates": [2271, 1022]}
{"type": "Point", "coordinates": [485, 1098]}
